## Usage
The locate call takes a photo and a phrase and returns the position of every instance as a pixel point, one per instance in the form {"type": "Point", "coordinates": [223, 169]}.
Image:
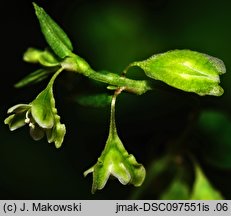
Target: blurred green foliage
{"type": "Point", "coordinates": [215, 126]}
{"type": "Point", "coordinates": [110, 35]}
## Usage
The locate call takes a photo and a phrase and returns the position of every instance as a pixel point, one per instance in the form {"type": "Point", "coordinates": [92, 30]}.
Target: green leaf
{"type": "Point", "coordinates": [186, 70]}
{"type": "Point", "coordinates": [216, 128]}
{"type": "Point", "coordinates": [202, 188]}
{"type": "Point", "coordinates": [54, 35]}
{"type": "Point", "coordinates": [35, 77]}
{"type": "Point", "coordinates": [97, 100]}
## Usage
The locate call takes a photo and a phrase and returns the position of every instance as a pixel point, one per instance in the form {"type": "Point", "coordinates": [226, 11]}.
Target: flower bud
{"type": "Point", "coordinates": [43, 57]}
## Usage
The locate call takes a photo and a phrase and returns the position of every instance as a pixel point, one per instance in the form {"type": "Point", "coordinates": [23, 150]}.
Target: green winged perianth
{"type": "Point", "coordinates": [115, 160]}
{"type": "Point", "coordinates": [40, 115]}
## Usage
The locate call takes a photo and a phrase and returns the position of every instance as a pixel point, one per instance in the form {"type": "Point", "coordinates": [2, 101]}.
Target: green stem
{"type": "Point", "coordinates": [113, 130]}
{"type": "Point", "coordinates": [129, 66]}
{"type": "Point", "coordinates": [51, 82]}
{"type": "Point", "coordinates": [77, 64]}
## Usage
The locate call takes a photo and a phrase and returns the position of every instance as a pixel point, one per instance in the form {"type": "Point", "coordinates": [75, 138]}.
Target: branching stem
{"type": "Point", "coordinates": [79, 65]}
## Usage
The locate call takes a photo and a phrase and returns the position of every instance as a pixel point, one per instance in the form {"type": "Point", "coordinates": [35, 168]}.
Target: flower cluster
{"type": "Point", "coordinates": [41, 116]}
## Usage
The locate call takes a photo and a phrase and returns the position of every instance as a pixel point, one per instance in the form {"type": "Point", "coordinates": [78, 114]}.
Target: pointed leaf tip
{"type": "Point", "coordinates": [53, 33]}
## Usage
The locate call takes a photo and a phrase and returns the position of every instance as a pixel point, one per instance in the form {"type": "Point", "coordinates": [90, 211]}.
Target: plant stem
{"type": "Point", "coordinates": [51, 82]}
{"type": "Point", "coordinates": [79, 65]}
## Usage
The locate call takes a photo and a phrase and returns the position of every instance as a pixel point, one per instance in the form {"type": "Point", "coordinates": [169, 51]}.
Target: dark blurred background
{"type": "Point", "coordinates": [110, 35]}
